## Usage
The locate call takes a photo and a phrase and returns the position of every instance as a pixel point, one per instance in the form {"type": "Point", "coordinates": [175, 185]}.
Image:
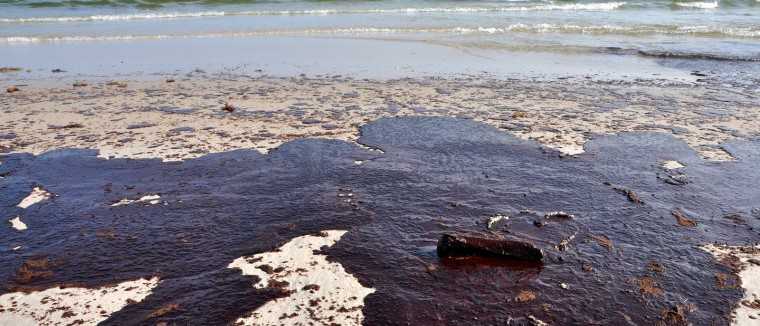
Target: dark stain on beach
{"type": "Point", "coordinates": [434, 175]}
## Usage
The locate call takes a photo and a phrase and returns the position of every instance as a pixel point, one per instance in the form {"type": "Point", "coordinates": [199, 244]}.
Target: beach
{"type": "Point", "coordinates": [186, 118]}
{"type": "Point", "coordinates": [297, 162]}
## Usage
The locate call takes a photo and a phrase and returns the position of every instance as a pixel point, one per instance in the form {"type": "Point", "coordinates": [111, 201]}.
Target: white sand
{"type": "Point", "coordinates": [37, 195]}
{"type": "Point", "coordinates": [57, 306]}
{"type": "Point", "coordinates": [672, 165]}
{"type": "Point", "coordinates": [750, 276]}
{"type": "Point", "coordinates": [17, 224]}
{"type": "Point", "coordinates": [150, 199]}
{"type": "Point", "coordinates": [329, 285]}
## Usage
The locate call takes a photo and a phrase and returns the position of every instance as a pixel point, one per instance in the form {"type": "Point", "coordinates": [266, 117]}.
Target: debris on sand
{"type": "Point", "coordinates": [170, 80]}
{"type": "Point", "coordinates": [319, 291]}
{"type": "Point", "coordinates": [71, 306]}
{"type": "Point", "coordinates": [17, 224]}
{"type": "Point", "coordinates": [495, 219]}
{"type": "Point", "coordinates": [603, 241]}
{"type": "Point", "coordinates": [119, 84]}
{"type": "Point", "coordinates": [229, 107]}
{"type": "Point", "coordinates": [66, 126]}
{"type": "Point", "coordinates": [79, 84]}
{"type": "Point", "coordinates": [648, 286]}
{"type": "Point", "coordinates": [4, 70]}
{"type": "Point", "coordinates": [12, 89]}
{"type": "Point", "coordinates": [140, 125]}
{"type": "Point", "coordinates": [461, 245]}
{"type": "Point", "coordinates": [742, 259]}
{"type": "Point", "coordinates": [631, 195]}
{"type": "Point", "coordinates": [560, 215]}
{"type": "Point", "coordinates": [536, 322]}
{"type": "Point", "coordinates": [37, 195]}
{"type": "Point", "coordinates": [655, 267]}
{"type": "Point", "coordinates": [525, 296]}
{"type": "Point", "coordinates": [57, 71]}
{"type": "Point", "coordinates": [519, 114]}
{"type": "Point", "coordinates": [682, 220]}
{"type": "Point", "coordinates": [675, 316]}
{"type": "Point", "coordinates": [678, 179]}
{"type": "Point", "coordinates": [164, 310]}
{"type": "Point", "coordinates": [735, 217]}
{"type": "Point", "coordinates": [150, 199]}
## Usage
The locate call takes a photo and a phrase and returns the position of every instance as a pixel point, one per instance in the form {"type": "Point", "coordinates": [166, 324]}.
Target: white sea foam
{"type": "Point", "coordinates": [710, 31]}
{"type": "Point", "coordinates": [606, 6]}
{"type": "Point", "coordinates": [168, 15]}
{"type": "Point", "coordinates": [698, 5]}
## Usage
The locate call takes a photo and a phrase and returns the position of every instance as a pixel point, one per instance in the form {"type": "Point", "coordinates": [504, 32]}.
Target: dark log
{"type": "Point", "coordinates": [464, 245]}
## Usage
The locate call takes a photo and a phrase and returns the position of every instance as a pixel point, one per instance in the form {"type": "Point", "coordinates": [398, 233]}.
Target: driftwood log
{"type": "Point", "coordinates": [466, 245]}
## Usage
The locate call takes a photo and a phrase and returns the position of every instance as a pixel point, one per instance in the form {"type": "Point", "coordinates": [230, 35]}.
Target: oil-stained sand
{"type": "Point", "coordinates": [616, 261]}
{"type": "Point", "coordinates": [185, 118]}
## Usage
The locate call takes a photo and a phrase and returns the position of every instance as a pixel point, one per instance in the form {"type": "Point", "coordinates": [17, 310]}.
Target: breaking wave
{"type": "Point", "coordinates": [607, 6]}
{"type": "Point", "coordinates": [697, 5]}
{"type": "Point", "coordinates": [702, 31]}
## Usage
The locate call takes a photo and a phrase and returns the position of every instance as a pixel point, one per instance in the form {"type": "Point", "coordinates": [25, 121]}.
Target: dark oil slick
{"type": "Point", "coordinates": [433, 175]}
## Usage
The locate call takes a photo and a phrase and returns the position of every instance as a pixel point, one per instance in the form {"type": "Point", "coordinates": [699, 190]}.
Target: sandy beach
{"type": "Point", "coordinates": [408, 162]}
{"type": "Point", "coordinates": [185, 118]}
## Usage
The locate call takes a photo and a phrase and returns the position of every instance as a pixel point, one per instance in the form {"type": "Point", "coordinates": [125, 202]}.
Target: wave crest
{"type": "Point", "coordinates": [697, 5]}
{"type": "Point", "coordinates": [606, 6]}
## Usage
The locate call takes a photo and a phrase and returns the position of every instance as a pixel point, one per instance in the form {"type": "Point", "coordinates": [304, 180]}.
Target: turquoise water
{"type": "Point", "coordinates": [713, 30]}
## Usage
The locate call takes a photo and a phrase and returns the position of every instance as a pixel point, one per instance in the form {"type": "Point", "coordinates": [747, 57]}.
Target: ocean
{"type": "Point", "coordinates": [688, 30]}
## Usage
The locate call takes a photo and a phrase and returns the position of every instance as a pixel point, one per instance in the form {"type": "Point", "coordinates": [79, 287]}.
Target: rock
{"type": "Point", "coordinates": [79, 84]}
{"type": "Point", "coordinates": [329, 126]}
{"type": "Point", "coordinates": [170, 80]}
{"type": "Point", "coordinates": [57, 71]}
{"type": "Point", "coordinates": [462, 245]}
{"type": "Point", "coordinates": [311, 121]}
{"type": "Point", "coordinates": [12, 89]}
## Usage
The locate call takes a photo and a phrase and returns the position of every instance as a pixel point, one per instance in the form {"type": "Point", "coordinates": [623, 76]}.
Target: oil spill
{"type": "Point", "coordinates": [433, 175]}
